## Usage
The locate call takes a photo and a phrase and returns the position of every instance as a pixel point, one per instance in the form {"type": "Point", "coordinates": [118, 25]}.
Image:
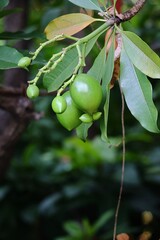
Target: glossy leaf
{"type": "Point", "coordinates": [103, 2]}
{"type": "Point", "coordinates": [89, 4]}
{"type": "Point", "coordinates": [109, 66]}
{"type": "Point", "coordinates": [68, 24]}
{"type": "Point", "coordinates": [9, 57]}
{"type": "Point", "coordinates": [97, 68]}
{"type": "Point", "coordinates": [53, 80]}
{"type": "Point", "coordinates": [137, 91]}
{"type": "Point", "coordinates": [141, 55]}
{"type": "Point", "coordinates": [104, 121]}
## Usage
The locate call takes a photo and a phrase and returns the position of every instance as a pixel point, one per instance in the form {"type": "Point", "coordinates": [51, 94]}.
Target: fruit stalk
{"type": "Point", "coordinates": [80, 64]}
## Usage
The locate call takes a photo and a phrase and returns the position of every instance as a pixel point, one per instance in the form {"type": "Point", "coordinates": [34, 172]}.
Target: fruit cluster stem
{"type": "Point", "coordinates": [49, 66]}
{"type": "Point", "coordinates": [81, 63]}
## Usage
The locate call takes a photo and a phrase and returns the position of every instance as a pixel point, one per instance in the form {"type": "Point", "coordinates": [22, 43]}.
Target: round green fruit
{"type": "Point", "coordinates": [32, 91]}
{"type": "Point", "coordinates": [24, 62]}
{"type": "Point", "coordinates": [70, 117]}
{"type": "Point", "coordinates": [86, 92]}
{"type": "Point", "coordinates": [59, 104]}
{"type": "Point", "coordinates": [86, 118]}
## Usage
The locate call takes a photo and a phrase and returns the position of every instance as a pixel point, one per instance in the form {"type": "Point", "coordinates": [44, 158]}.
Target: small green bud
{"type": "Point", "coordinates": [86, 118]}
{"type": "Point", "coordinates": [59, 104]}
{"type": "Point", "coordinates": [32, 91]}
{"type": "Point", "coordinates": [24, 62]}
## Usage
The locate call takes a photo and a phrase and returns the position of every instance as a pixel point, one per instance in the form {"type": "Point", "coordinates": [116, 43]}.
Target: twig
{"type": "Point", "coordinates": [122, 18]}
{"type": "Point", "coordinates": [7, 91]}
{"type": "Point", "coordinates": [134, 10]}
{"type": "Point", "coordinates": [131, 12]}
{"type": "Point", "coordinates": [123, 166]}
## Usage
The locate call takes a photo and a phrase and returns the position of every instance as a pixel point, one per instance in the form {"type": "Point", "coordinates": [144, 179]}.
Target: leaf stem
{"type": "Point", "coordinates": [99, 30]}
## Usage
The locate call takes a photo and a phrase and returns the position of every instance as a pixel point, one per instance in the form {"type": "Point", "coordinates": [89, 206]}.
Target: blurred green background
{"type": "Point", "coordinates": [60, 188]}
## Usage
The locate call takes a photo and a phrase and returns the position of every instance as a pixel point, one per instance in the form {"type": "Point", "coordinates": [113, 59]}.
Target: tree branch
{"type": "Point", "coordinates": [123, 17]}
{"type": "Point", "coordinates": [133, 11]}
{"type": "Point", "coordinates": [17, 111]}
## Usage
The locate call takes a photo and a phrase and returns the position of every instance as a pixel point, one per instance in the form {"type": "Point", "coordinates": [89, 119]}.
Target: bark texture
{"type": "Point", "coordinates": [126, 16]}
{"type": "Point", "coordinates": [133, 11]}
{"type": "Point", "coordinates": [15, 109]}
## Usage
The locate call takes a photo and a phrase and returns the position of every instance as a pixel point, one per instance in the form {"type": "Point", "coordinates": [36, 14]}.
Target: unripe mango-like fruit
{"type": "Point", "coordinates": [86, 92]}
{"type": "Point", "coordinates": [70, 117]}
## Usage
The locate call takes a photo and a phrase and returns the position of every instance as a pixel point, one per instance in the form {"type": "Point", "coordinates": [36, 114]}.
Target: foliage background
{"type": "Point", "coordinates": [55, 178]}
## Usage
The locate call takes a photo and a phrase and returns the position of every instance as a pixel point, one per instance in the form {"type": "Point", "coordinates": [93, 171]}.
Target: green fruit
{"type": "Point", "coordinates": [32, 91]}
{"type": "Point", "coordinates": [86, 92]}
{"type": "Point", "coordinates": [86, 118]}
{"type": "Point", "coordinates": [70, 117]}
{"type": "Point", "coordinates": [59, 104]}
{"type": "Point", "coordinates": [24, 62]}
{"type": "Point", "coordinates": [96, 115]}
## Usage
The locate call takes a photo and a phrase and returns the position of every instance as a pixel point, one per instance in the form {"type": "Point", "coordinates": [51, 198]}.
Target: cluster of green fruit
{"type": "Point", "coordinates": [32, 89]}
{"type": "Point", "coordinates": [80, 103]}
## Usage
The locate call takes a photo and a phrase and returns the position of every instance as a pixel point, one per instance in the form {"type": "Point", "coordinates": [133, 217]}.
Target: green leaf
{"type": "Point", "coordinates": [3, 3]}
{"type": "Point", "coordinates": [141, 55]}
{"type": "Point", "coordinates": [104, 120]}
{"type": "Point", "coordinates": [137, 91]}
{"type": "Point", "coordinates": [103, 3]}
{"type": "Point", "coordinates": [87, 228]}
{"type": "Point", "coordinates": [68, 24]}
{"type": "Point", "coordinates": [9, 57]}
{"type": "Point", "coordinates": [82, 131]}
{"type": "Point", "coordinates": [73, 228]}
{"type": "Point", "coordinates": [109, 67]}
{"type": "Point", "coordinates": [102, 220]}
{"type": "Point", "coordinates": [97, 68]}
{"type": "Point", "coordinates": [54, 79]}
{"type": "Point", "coordinates": [88, 4]}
